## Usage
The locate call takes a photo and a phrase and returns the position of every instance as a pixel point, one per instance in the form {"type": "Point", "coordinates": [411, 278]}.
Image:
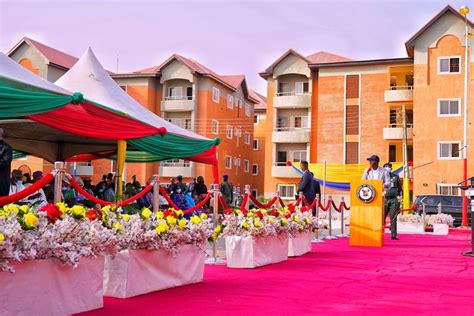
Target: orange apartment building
{"type": "Point", "coordinates": [187, 94]}
{"type": "Point", "coordinates": [325, 107]}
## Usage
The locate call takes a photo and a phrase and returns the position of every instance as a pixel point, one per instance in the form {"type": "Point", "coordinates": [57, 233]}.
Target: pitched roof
{"type": "Point", "coordinates": [234, 81]}
{"type": "Point", "coordinates": [52, 55]}
{"type": "Point", "coordinates": [318, 57]}
{"type": "Point", "coordinates": [262, 101]}
{"type": "Point", "coordinates": [411, 42]}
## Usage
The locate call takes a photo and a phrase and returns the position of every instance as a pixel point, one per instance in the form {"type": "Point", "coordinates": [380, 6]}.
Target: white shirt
{"type": "Point", "coordinates": [378, 174]}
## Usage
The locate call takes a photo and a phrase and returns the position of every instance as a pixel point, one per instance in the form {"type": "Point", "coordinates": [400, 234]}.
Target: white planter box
{"type": "Point", "coordinates": [299, 245]}
{"type": "Point", "coordinates": [410, 228]}
{"type": "Point", "coordinates": [249, 252]}
{"type": "Point", "coordinates": [47, 287]}
{"type": "Point", "coordinates": [136, 272]}
{"type": "Point", "coordinates": [440, 229]}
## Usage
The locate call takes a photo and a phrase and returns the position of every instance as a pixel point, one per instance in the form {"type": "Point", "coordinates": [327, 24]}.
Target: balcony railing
{"type": "Point", "coordinates": [178, 97]}
{"type": "Point", "coordinates": [184, 164]}
{"type": "Point", "coordinates": [398, 125]}
{"type": "Point", "coordinates": [290, 129]}
{"type": "Point", "coordinates": [406, 87]}
{"type": "Point", "coordinates": [289, 93]}
{"type": "Point", "coordinates": [280, 163]}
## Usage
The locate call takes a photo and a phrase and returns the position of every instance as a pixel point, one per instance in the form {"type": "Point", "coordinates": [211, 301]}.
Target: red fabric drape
{"type": "Point", "coordinates": [91, 156]}
{"type": "Point", "coordinates": [27, 191]}
{"type": "Point", "coordinates": [88, 120]}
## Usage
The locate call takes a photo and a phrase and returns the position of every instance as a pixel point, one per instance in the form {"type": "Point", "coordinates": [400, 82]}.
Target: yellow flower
{"type": "Point", "coordinates": [283, 221]}
{"type": "Point", "coordinates": [118, 226]}
{"type": "Point", "coordinates": [30, 220]}
{"type": "Point", "coordinates": [271, 220]}
{"type": "Point", "coordinates": [296, 218]}
{"type": "Point", "coordinates": [203, 216]}
{"type": "Point", "coordinates": [78, 211]}
{"type": "Point", "coordinates": [213, 236]}
{"type": "Point", "coordinates": [24, 209]}
{"type": "Point", "coordinates": [301, 228]}
{"type": "Point", "coordinates": [218, 229]}
{"type": "Point", "coordinates": [171, 220]}
{"type": "Point", "coordinates": [62, 207]}
{"type": "Point", "coordinates": [159, 215]}
{"type": "Point", "coordinates": [238, 212]}
{"type": "Point", "coordinates": [125, 217]}
{"type": "Point", "coordinates": [2, 238]}
{"type": "Point", "coordinates": [162, 228]}
{"type": "Point", "coordinates": [146, 213]}
{"type": "Point", "coordinates": [180, 213]}
{"type": "Point", "coordinates": [196, 220]}
{"type": "Point", "coordinates": [245, 224]}
{"type": "Point", "coordinates": [182, 223]}
{"type": "Point", "coordinates": [257, 223]}
{"type": "Point", "coordinates": [307, 220]}
{"type": "Point", "coordinates": [12, 209]}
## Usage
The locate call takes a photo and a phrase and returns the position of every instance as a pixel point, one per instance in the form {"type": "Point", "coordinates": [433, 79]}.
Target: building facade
{"type": "Point", "coordinates": [327, 108]}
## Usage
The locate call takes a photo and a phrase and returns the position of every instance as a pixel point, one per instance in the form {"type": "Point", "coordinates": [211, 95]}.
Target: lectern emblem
{"type": "Point", "coordinates": [366, 193]}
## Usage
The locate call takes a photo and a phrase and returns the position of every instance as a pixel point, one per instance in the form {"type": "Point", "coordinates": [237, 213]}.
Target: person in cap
{"type": "Point", "coordinates": [391, 203]}
{"type": "Point", "coordinates": [375, 172]}
{"type": "Point", "coordinates": [6, 157]}
{"type": "Point", "coordinates": [227, 190]}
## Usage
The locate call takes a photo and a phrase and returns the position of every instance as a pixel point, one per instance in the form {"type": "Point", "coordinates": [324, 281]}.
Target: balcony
{"type": "Point", "coordinates": [177, 104]}
{"type": "Point", "coordinates": [174, 169]}
{"type": "Point", "coordinates": [399, 94]}
{"type": "Point", "coordinates": [291, 100]}
{"type": "Point", "coordinates": [395, 132]}
{"type": "Point", "coordinates": [281, 170]}
{"type": "Point", "coordinates": [291, 135]}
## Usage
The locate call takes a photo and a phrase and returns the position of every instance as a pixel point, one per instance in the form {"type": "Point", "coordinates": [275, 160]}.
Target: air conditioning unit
{"type": "Point", "coordinates": [237, 162]}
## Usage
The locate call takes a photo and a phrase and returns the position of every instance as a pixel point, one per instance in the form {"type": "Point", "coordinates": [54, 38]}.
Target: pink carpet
{"type": "Point", "coordinates": [415, 275]}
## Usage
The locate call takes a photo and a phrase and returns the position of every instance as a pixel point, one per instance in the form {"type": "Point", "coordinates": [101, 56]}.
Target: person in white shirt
{"type": "Point", "coordinates": [375, 172]}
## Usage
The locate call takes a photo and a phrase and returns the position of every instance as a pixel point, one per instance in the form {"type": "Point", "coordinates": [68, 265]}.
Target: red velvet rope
{"type": "Point", "coordinates": [312, 205]}
{"type": "Point", "coordinates": [343, 205]}
{"type": "Point", "coordinates": [282, 204]}
{"type": "Point", "coordinates": [26, 191]}
{"type": "Point", "coordinates": [339, 209]}
{"type": "Point", "coordinates": [223, 203]}
{"type": "Point", "coordinates": [261, 205]}
{"type": "Point", "coordinates": [325, 208]}
{"type": "Point", "coordinates": [244, 202]}
{"type": "Point", "coordinates": [92, 198]}
{"type": "Point", "coordinates": [190, 210]}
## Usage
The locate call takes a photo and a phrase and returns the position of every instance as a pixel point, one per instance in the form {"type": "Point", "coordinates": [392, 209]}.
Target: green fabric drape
{"type": "Point", "coordinates": [139, 156]}
{"type": "Point", "coordinates": [15, 103]}
{"type": "Point", "coordinates": [18, 154]}
{"type": "Point", "coordinates": [172, 146]}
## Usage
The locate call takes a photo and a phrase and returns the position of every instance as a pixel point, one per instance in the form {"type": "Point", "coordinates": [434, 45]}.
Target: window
{"type": "Point", "coordinates": [124, 87]}
{"type": "Point", "coordinates": [282, 123]}
{"type": "Point", "coordinates": [449, 150]}
{"type": "Point", "coordinates": [189, 93]}
{"type": "Point", "coordinates": [449, 65]}
{"type": "Point", "coordinates": [246, 165]}
{"type": "Point", "coordinates": [255, 144]}
{"type": "Point", "coordinates": [255, 169]}
{"type": "Point", "coordinates": [216, 94]}
{"type": "Point", "coordinates": [238, 132]}
{"type": "Point", "coordinates": [187, 124]}
{"type": "Point", "coordinates": [256, 119]}
{"type": "Point", "coordinates": [248, 109]}
{"type": "Point", "coordinates": [447, 189]}
{"type": "Point", "coordinates": [283, 88]}
{"type": "Point", "coordinates": [228, 162]}
{"type": "Point", "coordinates": [175, 93]}
{"type": "Point", "coordinates": [238, 102]}
{"type": "Point", "coordinates": [301, 121]}
{"type": "Point", "coordinates": [254, 193]}
{"type": "Point", "coordinates": [230, 101]}
{"type": "Point", "coordinates": [299, 156]}
{"type": "Point", "coordinates": [215, 127]}
{"type": "Point", "coordinates": [247, 138]}
{"type": "Point", "coordinates": [237, 161]}
{"type": "Point", "coordinates": [281, 158]}
{"type": "Point", "coordinates": [449, 107]}
{"type": "Point", "coordinates": [229, 131]}
{"type": "Point", "coordinates": [287, 191]}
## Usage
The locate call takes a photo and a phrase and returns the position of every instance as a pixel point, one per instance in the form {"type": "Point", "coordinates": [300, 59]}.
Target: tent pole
{"type": "Point", "coordinates": [121, 153]}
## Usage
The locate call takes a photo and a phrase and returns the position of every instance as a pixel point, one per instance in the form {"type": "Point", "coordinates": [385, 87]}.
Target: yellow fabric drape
{"type": "Point", "coordinates": [121, 154]}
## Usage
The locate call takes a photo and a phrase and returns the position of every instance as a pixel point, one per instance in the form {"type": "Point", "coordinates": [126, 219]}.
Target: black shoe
{"type": "Point", "coordinates": [395, 238]}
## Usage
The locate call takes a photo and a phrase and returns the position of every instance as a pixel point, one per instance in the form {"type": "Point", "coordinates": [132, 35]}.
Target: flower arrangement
{"type": "Point", "coordinates": [166, 230]}
{"type": "Point", "coordinates": [261, 222]}
{"type": "Point", "coordinates": [52, 232]}
{"type": "Point", "coordinates": [410, 218]}
{"type": "Point", "coordinates": [439, 219]}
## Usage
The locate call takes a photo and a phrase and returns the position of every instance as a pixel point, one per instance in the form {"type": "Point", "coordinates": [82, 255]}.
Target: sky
{"type": "Point", "coordinates": [230, 37]}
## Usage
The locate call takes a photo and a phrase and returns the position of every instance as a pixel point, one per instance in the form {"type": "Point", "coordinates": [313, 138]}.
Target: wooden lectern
{"type": "Point", "coordinates": [367, 213]}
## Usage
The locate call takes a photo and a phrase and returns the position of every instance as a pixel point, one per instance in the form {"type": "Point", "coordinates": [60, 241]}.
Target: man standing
{"type": "Point", "coordinates": [375, 172]}
{"type": "Point", "coordinates": [306, 183]}
{"type": "Point", "coordinates": [6, 157]}
{"type": "Point", "coordinates": [227, 190]}
{"type": "Point", "coordinates": [391, 203]}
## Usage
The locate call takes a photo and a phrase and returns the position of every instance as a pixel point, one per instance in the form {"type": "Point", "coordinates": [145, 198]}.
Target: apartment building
{"type": "Point", "coordinates": [259, 136]}
{"type": "Point", "coordinates": [184, 92]}
{"type": "Point", "coordinates": [324, 107]}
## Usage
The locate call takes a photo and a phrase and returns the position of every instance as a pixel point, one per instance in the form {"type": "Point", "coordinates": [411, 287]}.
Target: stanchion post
{"type": "Point", "coordinates": [423, 207]}
{"type": "Point", "coordinates": [156, 193]}
{"type": "Point", "coordinates": [330, 236]}
{"type": "Point", "coordinates": [301, 197]}
{"type": "Point", "coordinates": [58, 180]}
{"type": "Point", "coordinates": [316, 239]}
{"type": "Point", "coordinates": [247, 191]}
{"type": "Point", "coordinates": [342, 234]}
{"type": "Point", "coordinates": [440, 208]}
{"type": "Point", "coordinates": [215, 220]}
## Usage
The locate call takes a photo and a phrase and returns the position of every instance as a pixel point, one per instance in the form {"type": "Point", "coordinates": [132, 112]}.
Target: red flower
{"type": "Point", "coordinates": [291, 208]}
{"type": "Point", "coordinates": [228, 211]}
{"type": "Point", "coordinates": [304, 209]}
{"type": "Point", "coordinates": [170, 213]}
{"type": "Point", "coordinates": [94, 214]}
{"type": "Point", "coordinates": [287, 215]}
{"type": "Point", "coordinates": [245, 212]}
{"type": "Point", "coordinates": [274, 212]}
{"type": "Point", "coordinates": [52, 212]}
{"type": "Point", "coordinates": [259, 214]}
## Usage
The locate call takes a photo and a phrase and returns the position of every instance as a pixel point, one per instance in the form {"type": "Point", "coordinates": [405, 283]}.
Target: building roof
{"type": "Point", "coordinates": [402, 60]}
{"type": "Point", "coordinates": [262, 100]}
{"type": "Point", "coordinates": [448, 9]}
{"type": "Point", "coordinates": [52, 55]}
{"type": "Point", "coordinates": [318, 57]}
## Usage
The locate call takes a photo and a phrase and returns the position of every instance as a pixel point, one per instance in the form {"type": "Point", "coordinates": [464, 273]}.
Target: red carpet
{"type": "Point", "coordinates": [415, 275]}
